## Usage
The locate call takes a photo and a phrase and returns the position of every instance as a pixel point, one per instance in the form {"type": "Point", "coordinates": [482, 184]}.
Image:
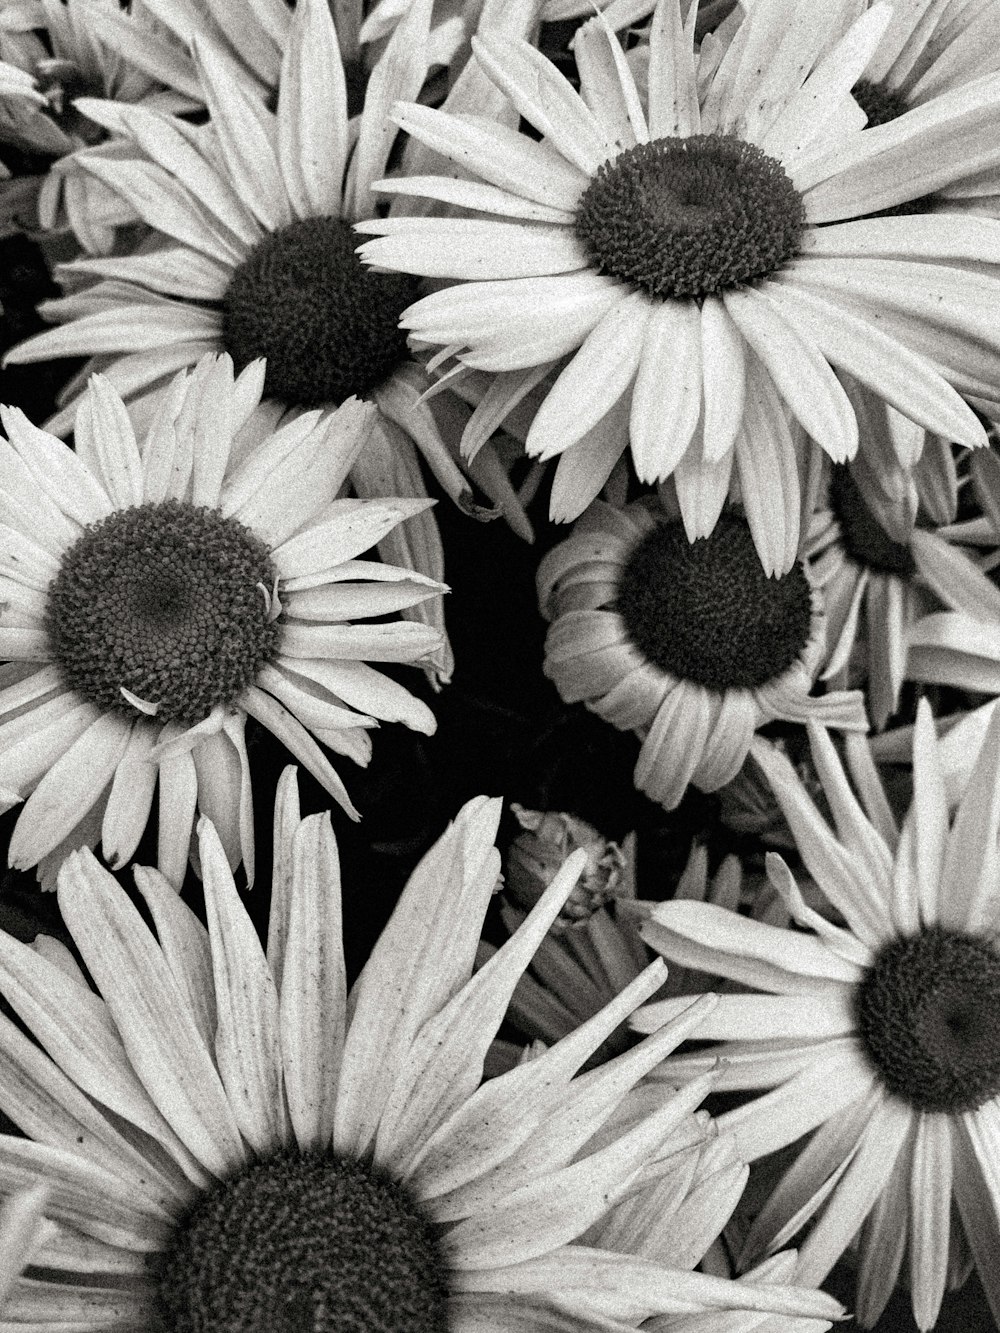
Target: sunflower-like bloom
{"type": "Point", "coordinates": [235, 1142]}
{"type": "Point", "coordinates": [255, 257]}
{"type": "Point", "coordinates": [685, 643]}
{"type": "Point", "coordinates": [152, 598]}
{"type": "Point", "coordinates": [881, 1036]}
{"type": "Point", "coordinates": [694, 256]}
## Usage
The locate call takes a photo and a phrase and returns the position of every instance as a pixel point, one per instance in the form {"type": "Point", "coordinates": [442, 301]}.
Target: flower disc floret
{"type": "Point", "coordinates": [168, 601]}
{"type": "Point", "coordinates": [864, 538]}
{"type": "Point", "coordinates": [929, 1013]}
{"type": "Point", "coordinates": [706, 612]}
{"type": "Point", "coordinates": [687, 217]}
{"type": "Point", "coordinates": [301, 1242]}
{"type": "Point", "coordinates": [328, 327]}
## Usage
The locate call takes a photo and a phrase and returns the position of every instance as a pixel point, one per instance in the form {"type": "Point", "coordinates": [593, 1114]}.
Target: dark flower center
{"type": "Point", "coordinates": [309, 1243]}
{"type": "Point", "coordinates": [705, 611]}
{"type": "Point", "coordinates": [929, 1013]}
{"type": "Point", "coordinates": [864, 538]}
{"type": "Point", "coordinates": [168, 601]}
{"type": "Point", "coordinates": [689, 217]}
{"type": "Point", "coordinates": [327, 325]}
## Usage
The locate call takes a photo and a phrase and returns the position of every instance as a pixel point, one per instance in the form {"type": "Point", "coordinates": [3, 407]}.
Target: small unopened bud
{"type": "Point", "coordinates": [536, 854]}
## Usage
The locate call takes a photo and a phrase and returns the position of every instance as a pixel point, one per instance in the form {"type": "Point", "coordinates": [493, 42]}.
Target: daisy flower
{"type": "Point", "coordinates": [55, 43]}
{"type": "Point", "coordinates": [880, 1035]}
{"type": "Point", "coordinates": [234, 1142]}
{"type": "Point", "coordinates": [257, 207]}
{"type": "Point", "coordinates": [889, 587]}
{"type": "Point", "coordinates": [152, 599]}
{"type": "Point", "coordinates": [687, 644]}
{"type": "Point", "coordinates": [696, 258]}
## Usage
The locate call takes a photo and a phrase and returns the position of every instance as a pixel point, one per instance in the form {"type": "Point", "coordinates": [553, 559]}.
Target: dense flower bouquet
{"type": "Point", "coordinates": [632, 371]}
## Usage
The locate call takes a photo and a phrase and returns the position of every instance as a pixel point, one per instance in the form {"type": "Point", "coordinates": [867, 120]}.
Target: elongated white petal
{"type": "Point", "coordinates": [312, 114]}
{"type": "Point", "coordinates": [471, 248]}
{"type": "Point", "coordinates": [246, 1040]}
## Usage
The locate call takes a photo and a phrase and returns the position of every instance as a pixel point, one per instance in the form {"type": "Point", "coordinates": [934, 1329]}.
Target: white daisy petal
{"type": "Point", "coordinates": [768, 472]}
{"type": "Point", "coordinates": [607, 85]}
{"type": "Point", "coordinates": [812, 1176]}
{"type": "Point", "coordinates": [472, 248]}
{"type": "Point", "coordinates": [141, 326]}
{"type": "Point", "coordinates": [36, 741]}
{"type": "Point", "coordinates": [352, 526]}
{"type": "Point", "coordinates": [161, 203]}
{"type": "Point", "coordinates": [218, 768]}
{"type": "Point", "coordinates": [473, 195]}
{"type": "Point", "coordinates": [365, 689]}
{"type": "Point", "coordinates": [597, 376]}
{"type": "Point", "coordinates": [313, 992]}
{"type": "Point", "coordinates": [666, 399]}
{"type": "Point", "coordinates": [398, 76]}
{"type": "Point", "coordinates": [673, 90]}
{"type": "Point", "coordinates": [247, 1048]}
{"type": "Point", "coordinates": [518, 323]}
{"type": "Point", "coordinates": [127, 811]}
{"type": "Point", "coordinates": [82, 1195]}
{"type": "Point", "coordinates": [106, 444]}
{"type": "Point", "coordinates": [706, 923]}
{"type": "Point", "coordinates": [312, 148]}
{"type": "Point", "coordinates": [185, 945]}
{"type": "Point", "coordinates": [930, 1211]}
{"type": "Point", "coordinates": [831, 1080]}
{"type": "Point", "coordinates": [583, 469]}
{"type": "Point", "coordinates": [723, 360]}
{"type": "Point", "coordinates": [972, 860]}
{"type": "Point", "coordinates": [811, 108]}
{"type": "Point", "coordinates": [178, 801]}
{"type": "Point", "coordinates": [48, 1107]}
{"type": "Point", "coordinates": [944, 139]}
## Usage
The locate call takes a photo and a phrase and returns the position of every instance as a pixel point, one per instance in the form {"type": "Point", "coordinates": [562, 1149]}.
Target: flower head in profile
{"type": "Point", "coordinates": [688, 262]}
{"type": "Point", "coordinates": [594, 950]}
{"type": "Point", "coordinates": [56, 48]}
{"type": "Point", "coordinates": [904, 585]}
{"type": "Point", "coordinates": [238, 1144]}
{"type": "Point", "coordinates": [879, 1037]}
{"type": "Point", "coordinates": [685, 643]}
{"type": "Point", "coordinates": [154, 597]}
